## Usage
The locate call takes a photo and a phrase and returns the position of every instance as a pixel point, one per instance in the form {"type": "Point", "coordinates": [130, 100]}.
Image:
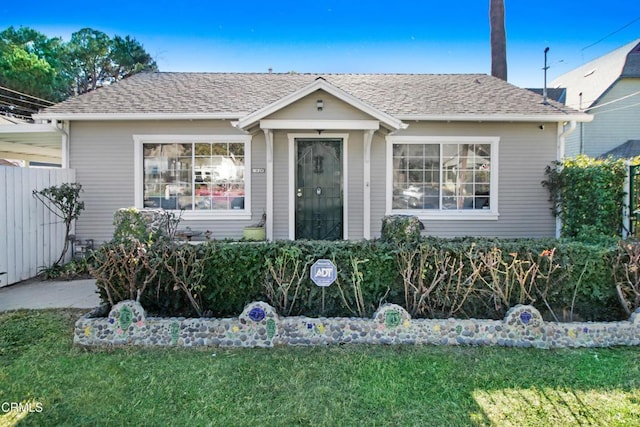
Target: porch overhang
{"type": "Point", "coordinates": [32, 142]}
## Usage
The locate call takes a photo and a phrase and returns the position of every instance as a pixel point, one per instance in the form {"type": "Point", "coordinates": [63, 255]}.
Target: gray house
{"type": "Point", "coordinates": [323, 156]}
{"type": "Point", "coordinates": [609, 89]}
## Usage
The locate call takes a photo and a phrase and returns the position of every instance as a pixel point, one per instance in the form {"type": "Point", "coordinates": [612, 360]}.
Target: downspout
{"type": "Point", "coordinates": [560, 150]}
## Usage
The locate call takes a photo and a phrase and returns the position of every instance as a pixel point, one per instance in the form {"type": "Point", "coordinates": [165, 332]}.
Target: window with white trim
{"type": "Point", "coordinates": [201, 175]}
{"type": "Point", "coordinates": [443, 175]}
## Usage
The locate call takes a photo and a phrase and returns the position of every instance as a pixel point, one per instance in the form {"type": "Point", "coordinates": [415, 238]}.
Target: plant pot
{"type": "Point", "coordinates": [254, 233]}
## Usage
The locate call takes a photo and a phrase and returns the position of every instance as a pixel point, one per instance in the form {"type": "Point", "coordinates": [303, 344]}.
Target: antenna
{"type": "Point", "coordinates": [546, 67]}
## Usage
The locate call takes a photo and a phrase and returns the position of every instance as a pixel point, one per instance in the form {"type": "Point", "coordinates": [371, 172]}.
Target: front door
{"type": "Point", "coordinates": [319, 211]}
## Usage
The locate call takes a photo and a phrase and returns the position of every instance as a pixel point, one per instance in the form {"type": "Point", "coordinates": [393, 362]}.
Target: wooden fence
{"type": "Point", "coordinates": [31, 237]}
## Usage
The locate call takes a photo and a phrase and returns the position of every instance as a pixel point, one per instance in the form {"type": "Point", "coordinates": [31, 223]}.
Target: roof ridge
{"type": "Point", "coordinates": [258, 73]}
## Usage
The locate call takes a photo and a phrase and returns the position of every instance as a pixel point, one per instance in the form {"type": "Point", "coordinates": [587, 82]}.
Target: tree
{"type": "Point", "coordinates": [128, 57]}
{"type": "Point", "coordinates": [100, 60]}
{"type": "Point", "coordinates": [498, 39]}
{"type": "Point", "coordinates": [90, 52]}
{"type": "Point", "coordinates": [34, 64]}
{"type": "Point", "coordinates": [51, 69]}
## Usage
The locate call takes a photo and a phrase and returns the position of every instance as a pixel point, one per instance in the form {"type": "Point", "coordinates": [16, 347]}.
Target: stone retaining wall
{"type": "Point", "coordinates": [260, 326]}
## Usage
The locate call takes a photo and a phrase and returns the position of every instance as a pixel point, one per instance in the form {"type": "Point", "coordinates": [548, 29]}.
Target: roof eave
{"type": "Point", "coordinates": [516, 118]}
{"type": "Point", "coordinates": [137, 116]}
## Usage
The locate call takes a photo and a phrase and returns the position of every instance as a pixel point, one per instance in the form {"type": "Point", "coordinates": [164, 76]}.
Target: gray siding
{"type": "Point", "coordinates": [356, 185]}
{"type": "Point", "coordinates": [280, 185]}
{"type": "Point", "coordinates": [378, 183]}
{"type": "Point", "coordinates": [524, 152]}
{"type": "Point", "coordinates": [103, 155]}
{"type": "Point", "coordinates": [616, 123]}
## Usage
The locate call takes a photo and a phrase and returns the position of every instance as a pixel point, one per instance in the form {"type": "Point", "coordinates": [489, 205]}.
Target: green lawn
{"type": "Point", "coordinates": [330, 386]}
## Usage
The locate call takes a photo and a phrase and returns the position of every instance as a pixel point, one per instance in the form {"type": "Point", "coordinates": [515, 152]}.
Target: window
{"type": "Point", "coordinates": [204, 176]}
{"type": "Point", "coordinates": [436, 177]}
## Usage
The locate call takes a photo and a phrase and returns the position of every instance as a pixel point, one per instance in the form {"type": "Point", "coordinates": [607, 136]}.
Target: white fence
{"type": "Point", "coordinates": [31, 237]}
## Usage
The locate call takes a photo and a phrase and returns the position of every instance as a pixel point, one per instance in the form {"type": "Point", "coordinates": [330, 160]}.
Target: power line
{"type": "Point", "coordinates": [614, 101]}
{"type": "Point", "coordinates": [617, 109]}
{"type": "Point", "coordinates": [27, 95]}
{"type": "Point", "coordinates": [17, 107]}
{"type": "Point", "coordinates": [610, 34]}
{"type": "Point", "coordinates": [23, 101]}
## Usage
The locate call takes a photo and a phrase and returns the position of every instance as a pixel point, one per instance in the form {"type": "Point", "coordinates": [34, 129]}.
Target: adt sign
{"type": "Point", "coordinates": [323, 272]}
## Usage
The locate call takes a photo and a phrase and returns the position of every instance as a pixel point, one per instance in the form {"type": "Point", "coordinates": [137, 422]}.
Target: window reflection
{"type": "Point", "coordinates": [194, 176]}
{"type": "Point", "coordinates": [441, 176]}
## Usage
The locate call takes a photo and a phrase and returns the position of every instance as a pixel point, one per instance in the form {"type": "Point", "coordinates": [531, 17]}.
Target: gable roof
{"type": "Point", "coordinates": [237, 95]}
{"type": "Point", "coordinates": [627, 150]}
{"type": "Point", "coordinates": [594, 78]}
{"type": "Point", "coordinates": [556, 94]}
{"type": "Point", "coordinates": [320, 84]}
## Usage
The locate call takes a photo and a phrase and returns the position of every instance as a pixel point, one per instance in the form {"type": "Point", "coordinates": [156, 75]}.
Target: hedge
{"type": "Point", "coordinates": [430, 277]}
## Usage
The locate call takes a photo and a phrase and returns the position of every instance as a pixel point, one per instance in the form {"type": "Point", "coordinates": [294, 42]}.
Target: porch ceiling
{"type": "Point", "coordinates": [31, 142]}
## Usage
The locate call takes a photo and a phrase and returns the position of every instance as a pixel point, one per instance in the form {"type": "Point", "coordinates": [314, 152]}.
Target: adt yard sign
{"type": "Point", "coordinates": [323, 272]}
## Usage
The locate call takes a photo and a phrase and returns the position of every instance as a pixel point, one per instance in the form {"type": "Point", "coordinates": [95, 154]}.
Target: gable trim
{"type": "Point", "coordinates": [320, 84]}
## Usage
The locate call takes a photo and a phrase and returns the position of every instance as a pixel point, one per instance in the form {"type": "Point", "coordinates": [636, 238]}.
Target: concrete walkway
{"type": "Point", "coordinates": [50, 294]}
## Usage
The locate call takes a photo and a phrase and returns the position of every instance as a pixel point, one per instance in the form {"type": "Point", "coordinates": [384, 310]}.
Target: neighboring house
{"type": "Point", "coordinates": [609, 89]}
{"type": "Point", "coordinates": [324, 156]}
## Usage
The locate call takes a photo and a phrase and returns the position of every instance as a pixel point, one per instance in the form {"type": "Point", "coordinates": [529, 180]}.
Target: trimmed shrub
{"type": "Point", "coordinates": [438, 278]}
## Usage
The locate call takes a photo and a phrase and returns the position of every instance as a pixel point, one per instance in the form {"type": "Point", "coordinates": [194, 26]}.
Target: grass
{"type": "Point", "coordinates": [328, 386]}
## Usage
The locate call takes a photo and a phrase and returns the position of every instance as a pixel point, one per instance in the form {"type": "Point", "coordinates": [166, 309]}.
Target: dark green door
{"type": "Point", "coordinates": [319, 189]}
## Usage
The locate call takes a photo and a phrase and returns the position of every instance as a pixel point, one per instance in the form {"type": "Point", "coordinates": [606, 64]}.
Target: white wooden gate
{"type": "Point", "coordinates": [31, 237]}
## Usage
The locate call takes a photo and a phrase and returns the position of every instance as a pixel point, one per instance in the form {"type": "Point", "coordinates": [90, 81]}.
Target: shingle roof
{"type": "Point", "coordinates": [401, 95]}
{"type": "Point", "coordinates": [628, 150]}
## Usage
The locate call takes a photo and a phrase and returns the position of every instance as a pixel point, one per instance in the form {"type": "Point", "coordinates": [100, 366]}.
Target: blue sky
{"type": "Point", "coordinates": [347, 36]}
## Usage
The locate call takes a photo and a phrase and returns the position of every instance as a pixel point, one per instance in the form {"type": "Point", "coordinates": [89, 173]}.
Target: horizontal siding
{"type": "Point", "coordinates": [280, 185]}
{"type": "Point", "coordinates": [616, 123]}
{"type": "Point", "coordinates": [572, 142]}
{"type": "Point", "coordinates": [524, 152]}
{"type": "Point", "coordinates": [102, 153]}
{"type": "Point", "coordinates": [356, 185]}
{"type": "Point", "coordinates": [378, 183]}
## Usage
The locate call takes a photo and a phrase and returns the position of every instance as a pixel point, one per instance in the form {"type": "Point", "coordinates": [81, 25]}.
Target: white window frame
{"type": "Point", "coordinates": [240, 214]}
{"type": "Point", "coordinates": [446, 214]}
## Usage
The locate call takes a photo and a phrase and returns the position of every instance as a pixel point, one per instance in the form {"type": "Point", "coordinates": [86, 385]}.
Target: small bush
{"type": "Point", "coordinates": [401, 229]}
